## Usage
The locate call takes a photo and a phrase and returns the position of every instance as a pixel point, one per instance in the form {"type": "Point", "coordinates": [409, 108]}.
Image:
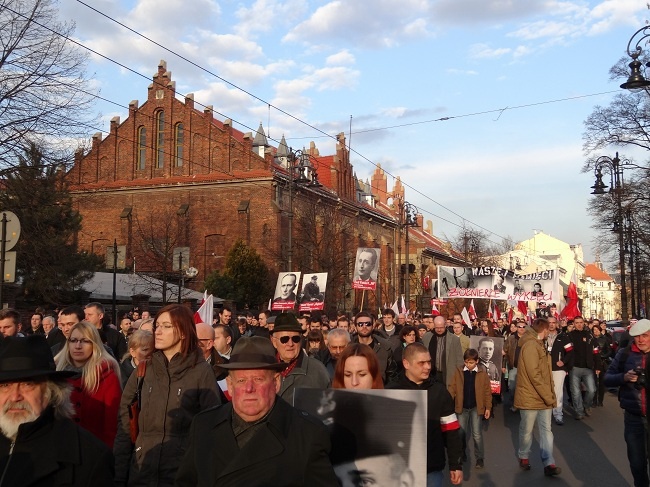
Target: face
{"type": "Point", "coordinates": [315, 325]}
{"type": "Point", "coordinates": [343, 324]}
{"type": "Point", "coordinates": [388, 321]}
{"type": "Point", "coordinates": [166, 338]}
{"type": "Point", "coordinates": [458, 319]}
{"type": "Point", "coordinates": [364, 326]}
{"type": "Point", "coordinates": [92, 315]}
{"type": "Point", "coordinates": [421, 332]}
{"type": "Point", "coordinates": [221, 341]}
{"type": "Point", "coordinates": [205, 340]}
{"type": "Point", "coordinates": [486, 351]}
{"type": "Point", "coordinates": [365, 264]}
{"type": "Point", "coordinates": [336, 345]}
{"type": "Point", "coordinates": [48, 325]}
{"type": "Point", "coordinates": [439, 325]}
{"type": "Point", "coordinates": [146, 315]}
{"type": "Point", "coordinates": [125, 326]}
{"type": "Point", "coordinates": [552, 325]}
{"type": "Point", "coordinates": [458, 329]}
{"type": "Point", "coordinates": [643, 341]}
{"type": "Point", "coordinates": [287, 351]}
{"type": "Point", "coordinates": [35, 321]}
{"type": "Point", "coordinates": [521, 329]}
{"type": "Point", "coordinates": [262, 320]}
{"type": "Point", "coordinates": [418, 368]}
{"type": "Point", "coordinates": [596, 331]}
{"type": "Point", "coordinates": [428, 322]}
{"type": "Point", "coordinates": [135, 315]}
{"type": "Point", "coordinates": [287, 286]}
{"type": "Point", "coordinates": [356, 374]}
{"type": "Point", "coordinates": [379, 471]}
{"type": "Point", "coordinates": [80, 347]}
{"type": "Point", "coordinates": [242, 328]}
{"type": "Point", "coordinates": [140, 354]}
{"type": "Point", "coordinates": [579, 324]}
{"type": "Point", "coordinates": [253, 392]}
{"type": "Point", "coordinates": [470, 363]}
{"type": "Point", "coordinates": [537, 287]}
{"type": "Point", "coordinates": [66, 322]}
{"type": "Point", "coordinates": [401, 319]}
{"type": "Point", "coordinates": [409, 337]}
{"type": "Point", "coordinates": [225, 316]}
{"type": "Point", "coordinates": [20, 402]}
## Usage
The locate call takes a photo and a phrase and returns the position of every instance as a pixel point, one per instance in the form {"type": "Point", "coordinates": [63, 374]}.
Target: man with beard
{"type": "Point", "coordinates": [446, 352]}
{"type": "Point", "coordinates": [39, 444]}
{"type": "Point", "coordinates": [387, 367]}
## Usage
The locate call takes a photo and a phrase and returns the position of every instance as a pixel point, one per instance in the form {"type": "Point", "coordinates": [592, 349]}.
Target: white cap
{"type": "Point", "coordinates": [640, 327]}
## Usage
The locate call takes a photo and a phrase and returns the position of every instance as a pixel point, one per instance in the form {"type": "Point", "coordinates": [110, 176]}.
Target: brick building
{"type": "Point", "coordinates": [172, 176]}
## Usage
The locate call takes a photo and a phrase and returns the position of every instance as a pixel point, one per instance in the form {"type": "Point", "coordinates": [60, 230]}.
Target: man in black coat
{"type": "Point", "coordinates": [257, 439]}
{"type": "Point", "coordinates": [39, 445]}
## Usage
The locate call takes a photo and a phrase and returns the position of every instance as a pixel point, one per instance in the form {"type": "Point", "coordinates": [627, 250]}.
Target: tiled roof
{"type": "Point", "coordinates": [596, 273]}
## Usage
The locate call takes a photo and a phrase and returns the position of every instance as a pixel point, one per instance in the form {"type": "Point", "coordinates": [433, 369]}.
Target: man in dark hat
{"type": "Point", "coordinates": [301, 370]}
{"type": "Point", "coordinates": [258, 438]}
{"type": "Point", "coordinates": [39, 444]}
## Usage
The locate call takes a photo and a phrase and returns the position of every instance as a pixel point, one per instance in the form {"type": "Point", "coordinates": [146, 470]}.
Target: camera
{"type": "Point", "coordinates": [642, 378]}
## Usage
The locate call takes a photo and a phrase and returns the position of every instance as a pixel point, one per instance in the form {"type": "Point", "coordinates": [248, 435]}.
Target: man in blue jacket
{"type": "Point", "coordinates": [629, 372]}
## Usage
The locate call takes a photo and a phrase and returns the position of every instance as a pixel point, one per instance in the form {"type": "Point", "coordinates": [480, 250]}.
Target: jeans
{"type": "Point", "coordinates": [471, 416]}
{"type": "Point", "coordinates": [558, 385]}
{"type": "Point", "coordinates": [543, 419]}
{"type": "Point", "coordinates": [434, 479]}
{"type": "Point", "coordinates": [576, 376]}
{"type": "Point", "coordinates": [512, 382]}
{"type": "Point", "coordinates": [636, 438]}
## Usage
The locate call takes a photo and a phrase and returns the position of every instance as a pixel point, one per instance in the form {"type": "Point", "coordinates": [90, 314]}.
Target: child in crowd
{"type": "Point", "coordinates": [472, 395]}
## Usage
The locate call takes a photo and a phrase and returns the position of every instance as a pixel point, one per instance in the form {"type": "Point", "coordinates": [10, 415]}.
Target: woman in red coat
{"type": "Point", "coordinates": [97, 388]}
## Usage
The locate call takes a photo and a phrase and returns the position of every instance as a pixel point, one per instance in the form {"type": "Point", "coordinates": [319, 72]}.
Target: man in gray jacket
{"type": "Point", "coordinates": [445, 349]}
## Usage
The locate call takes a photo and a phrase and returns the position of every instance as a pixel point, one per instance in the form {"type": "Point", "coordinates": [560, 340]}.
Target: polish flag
{"type": "Point", "coordinates": [403, 305]}
{"type": "Point", "coordinates": [497, 312]}
{"type": "Point", "coordinates": [434, 310]}
{"type": "Point", "coordinates": [449, 423]}
{"type": "Point", "coordinates": [472, 310]}
{"type": "Point", "coordinates": [466, 319]}
{"type": "Point", "coordinates": [568, 347]}
{"type": "Point", "coordinates": [395, 308]}
{"type": "Point", "coordinates": [204, 313]}
{"type": "Point", "coordinates": [522, 306]}
{"type": "Point", "coordinates": [571, 310]}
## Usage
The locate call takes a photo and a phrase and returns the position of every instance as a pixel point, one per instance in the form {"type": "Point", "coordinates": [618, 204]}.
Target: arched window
{"type": "Point", "coordinates": [160, 139]}
{"type": "Point", "coordinates": [142, 147]}
{"type": "Point", "coordinates": [178, 141]}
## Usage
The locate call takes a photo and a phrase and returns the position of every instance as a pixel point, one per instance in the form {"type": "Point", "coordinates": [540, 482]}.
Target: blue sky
{"type": "Point", "coordinates": [515, 78]}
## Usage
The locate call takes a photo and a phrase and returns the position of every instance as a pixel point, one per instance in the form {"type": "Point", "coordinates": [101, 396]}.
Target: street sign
{"type": "Point", "coordinates": [121, 257]}
{"type": "Point", "coordinates": [13, 230]}
{"type": "Point", "coordinates": [10, 267]}
{"type": "Point", "coordinates": [183, 260]}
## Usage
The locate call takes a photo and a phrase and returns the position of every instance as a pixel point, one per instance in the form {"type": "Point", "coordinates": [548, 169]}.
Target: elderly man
{"type": "Point", "coordinates": [337, 340]}
{"type": "Point", "coordinates": [206, 336]}
{"type": "Point", "coordinates": [301, 370]}
{"type": "Point", "coordinates": [258, 438]}
{"type": "Point", "coordinates": [52, 334]}
{"type": "Point", "coordinates": [39, 443]}
{"type": "Point", "coordinates": [445, 349]}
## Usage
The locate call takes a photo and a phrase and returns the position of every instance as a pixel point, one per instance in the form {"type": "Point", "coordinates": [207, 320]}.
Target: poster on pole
{"type": "Point", "coordinates": [365, 268]}
{"type": "Point", "coordinates": [285, 291]}
{"type": "Point", "coordinates": [490, 358]}
{"type": "Point", "coordinates": [376, 434]}
{"type": "Point", "coordinates": [312, 297]}
{"type": "Point", "coordinates": [488, 282]}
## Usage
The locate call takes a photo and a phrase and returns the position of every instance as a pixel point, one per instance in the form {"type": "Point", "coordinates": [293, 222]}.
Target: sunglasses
{"type": "Point", "coordinates": [521, 326]}
{"type": "Point", "coordinates": [295, 339]}
{"type": "Point", "coordinates": [364, 323]}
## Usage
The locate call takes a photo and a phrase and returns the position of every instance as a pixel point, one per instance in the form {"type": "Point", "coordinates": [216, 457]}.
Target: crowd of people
{"type": "Point", "coordinates": [166, 401]}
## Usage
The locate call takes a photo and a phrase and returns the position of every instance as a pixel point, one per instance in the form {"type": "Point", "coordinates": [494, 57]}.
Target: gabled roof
{"type": "Point", "coordinates": [596, 273]}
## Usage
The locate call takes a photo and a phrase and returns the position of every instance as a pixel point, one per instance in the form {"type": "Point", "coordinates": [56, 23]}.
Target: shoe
{"type": "Point", "coordinates": [524, 464]}
{"type": "Point", "coordinates": [552, 470]}
{"type": "Point", "coordinates": [479, 463]}
{"type": "Point", "coordinates": [559, 421]}
{"type": "Point", "coordinates": [579, 417]}
{"type": "Point", "coordinates": [587, 411]}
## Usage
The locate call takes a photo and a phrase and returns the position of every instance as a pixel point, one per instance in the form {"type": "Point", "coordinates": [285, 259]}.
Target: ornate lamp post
{"type": "Point", "coordinates": [410, 220]}
{"type": "Point", "coordinates": [637, 81]}
{"type": "Point", "coordinates": [301, 173]}
{"type": "Point", "coordinates": [615, 169]}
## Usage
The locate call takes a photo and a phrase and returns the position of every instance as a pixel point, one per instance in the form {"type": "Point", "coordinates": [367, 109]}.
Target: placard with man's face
{"type": "Point", "coordinates": [366, 268]}
{"type": "Point", "coordinates": [285, 291]}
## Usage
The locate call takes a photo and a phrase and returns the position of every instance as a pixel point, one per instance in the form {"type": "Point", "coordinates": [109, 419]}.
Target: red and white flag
{"type": "Point", "coordinates": [204, 313]}
{"type": "Point", "coordinates": [472, 310]}
{"type": "Point", "coordinates": [571, 310]}
{"type": "Point", "coordinates": [434, 310]}
{"type": "Point", "coordinates": [497, 313]}
{"type": "Point", "coordinates": [466, 319]}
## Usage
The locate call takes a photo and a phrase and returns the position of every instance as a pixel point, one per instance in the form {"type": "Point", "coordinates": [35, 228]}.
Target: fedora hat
{"type": "Point", "coordinates": [287, 322]}
{"type": "Point", "coordinates": [26, 358]}
{"type": "Point", "coordinates": [253, 353]}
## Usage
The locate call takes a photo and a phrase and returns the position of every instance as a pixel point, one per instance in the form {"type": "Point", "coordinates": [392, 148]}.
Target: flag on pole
{"type": "Point", "coordinates": [204, 313]}
{"type": "Point", "coordinates": [403, 305]}
{"type": "Point", "coordinates": [511, 314]}
{"type": "Point", "coordinates": [497, 312]}
{"type": "Point", "coordinates": [395, 308]}
{"type": "Point", "coordinates": [522, 306]}
{"type": "Point", "coordinates": [466, 319]}
{"type": "Point", "coordinates": [571, 310]}
{"type": "Point", "coordinates": [434, 310]}
{"type": "Point", "coordinates": [472, 310]}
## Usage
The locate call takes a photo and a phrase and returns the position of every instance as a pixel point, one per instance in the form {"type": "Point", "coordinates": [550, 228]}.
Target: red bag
{"type": "Point", "coordinates": [136, 405]}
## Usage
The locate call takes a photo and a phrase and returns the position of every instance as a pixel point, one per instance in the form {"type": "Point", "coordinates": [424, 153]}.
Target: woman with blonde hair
{"type": "Point", "coordinates": [96, 389]}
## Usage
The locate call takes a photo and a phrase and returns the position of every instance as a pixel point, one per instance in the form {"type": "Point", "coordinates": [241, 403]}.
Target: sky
{"type": "Point", "coordinates": [477, 105]}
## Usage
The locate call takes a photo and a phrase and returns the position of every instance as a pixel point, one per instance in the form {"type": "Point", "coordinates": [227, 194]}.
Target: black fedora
{"type": "Point", "coordinates": [28, 358]}
{"type": "Point", "coordinates": [286, 322]}
{"type": "Point", "coordinates": [253, 353]}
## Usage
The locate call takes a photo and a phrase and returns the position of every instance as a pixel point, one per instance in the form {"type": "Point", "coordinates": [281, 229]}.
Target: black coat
{"type": "Point", "coordinates": [291, 450]}
{"type": "Point", "coordinates": [55, 452]}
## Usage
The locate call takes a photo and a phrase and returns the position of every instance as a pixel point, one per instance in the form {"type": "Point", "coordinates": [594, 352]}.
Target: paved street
{"type": "Point", "coordinates": [590, 452]}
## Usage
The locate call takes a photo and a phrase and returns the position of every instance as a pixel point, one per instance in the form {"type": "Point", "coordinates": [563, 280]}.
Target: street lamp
{"type": "Point", "coordinates": [410, 220]}
{"type": "Point", "coordinates": [637, 81]}
{"type": "Point", "coordinates": [92, 243]}
{"type": "Point", "coordinates": [301, 173]}
{"type": "Point", "coordinates": [615, 169]}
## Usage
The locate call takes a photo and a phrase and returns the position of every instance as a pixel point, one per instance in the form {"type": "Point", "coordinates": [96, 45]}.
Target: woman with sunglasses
{"type": "Point", "coordinates": [96, 389]}
{"type": "Point", "coordinates": [178, 384]}
{"type": "Point", "coordinates": [357, 368]}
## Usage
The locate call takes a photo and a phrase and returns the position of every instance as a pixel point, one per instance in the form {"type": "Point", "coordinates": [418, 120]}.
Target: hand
{"type": "Point", "coordinates": [598, 372]}
{"type": "Point", "coordinates": [560, 363]}
{"type": "Point", "coordinates": [503, 369]}
{"type": "Point", "coordinates": [630, 376]}
{"type": "Point", "coordinates": [456, 476]}
{"type": "Point", "coordinates": [487, 414]}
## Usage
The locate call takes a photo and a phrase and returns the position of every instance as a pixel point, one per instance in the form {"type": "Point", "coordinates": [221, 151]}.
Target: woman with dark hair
{"type": "Point", "coordinates": [357, 368]}
{"type": "Point", "coordinates": [316, 344]}
{"type": "Point", "coordinates": [407, 335]}
{"type": "Point", "coordinates": [178, 384]}
{"type": "Point", "coordinates": [486, 329]}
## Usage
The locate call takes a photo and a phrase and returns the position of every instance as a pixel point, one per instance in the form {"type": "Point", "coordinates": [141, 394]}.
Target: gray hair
{"type": "Point", "coordinates": [339, 333]}
{"type": "Point", "coordinates": [57, 394]}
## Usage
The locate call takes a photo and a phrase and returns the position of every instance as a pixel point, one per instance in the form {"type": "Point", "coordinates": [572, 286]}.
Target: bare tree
{"type": "Point", "coordinates": [45, 96]}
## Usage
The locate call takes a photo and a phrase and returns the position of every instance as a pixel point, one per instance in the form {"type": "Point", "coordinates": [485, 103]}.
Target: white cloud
{"type": "Point", "coordinates": [467, 72]}
{"type": "Point", "coordinates": [483, 51]}
{"type": "Point", "coordinates": [264, 15]}
{"type": "Point", "coordinates": [340, 58]}
{"type": "Point", "coordinates": [483, 11]}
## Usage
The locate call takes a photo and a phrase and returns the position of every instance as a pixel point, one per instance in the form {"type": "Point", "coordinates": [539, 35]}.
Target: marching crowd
{"type": "Point", "coordinates": [164, 401]}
